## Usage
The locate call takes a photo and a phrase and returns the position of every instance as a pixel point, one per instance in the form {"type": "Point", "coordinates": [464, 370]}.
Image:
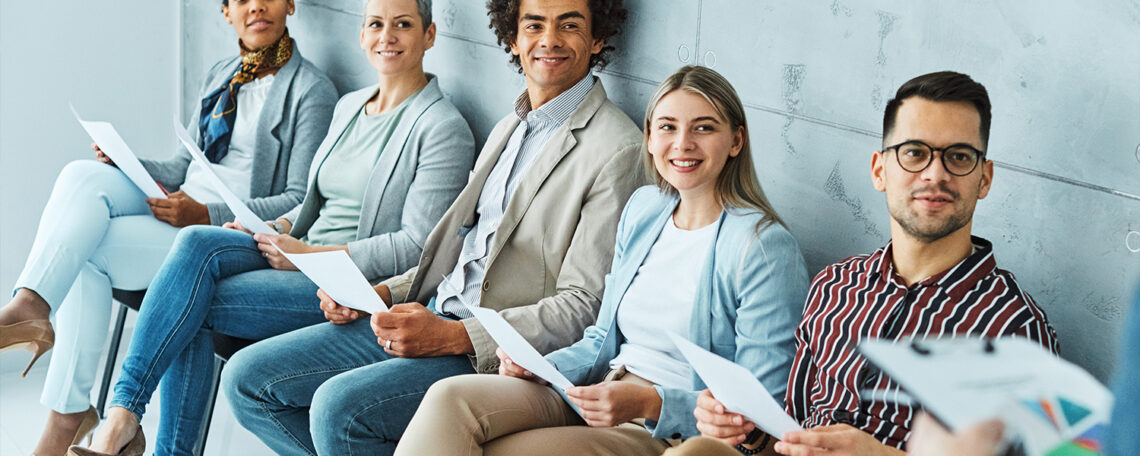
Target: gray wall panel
{"type": "Point", "coordinates": [1064, 79]}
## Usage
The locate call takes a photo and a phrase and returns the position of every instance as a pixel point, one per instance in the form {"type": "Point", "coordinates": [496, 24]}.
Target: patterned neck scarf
{"type": "Point", "coordinates": [219, 108]}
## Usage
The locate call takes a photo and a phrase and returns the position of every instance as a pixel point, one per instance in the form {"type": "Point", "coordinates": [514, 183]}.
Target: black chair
{"type": "Point", "coordinates": [224, 347]}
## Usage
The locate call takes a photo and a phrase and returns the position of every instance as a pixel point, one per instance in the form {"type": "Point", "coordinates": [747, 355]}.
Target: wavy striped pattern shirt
{"type": "Point", "coordinates": [862, 297]}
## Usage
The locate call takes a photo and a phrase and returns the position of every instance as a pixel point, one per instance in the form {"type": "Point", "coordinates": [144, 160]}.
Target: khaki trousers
{"type": "Point", "coordinates": [499, 415]}
{"type": "Point", "coordinates": [702, 446]}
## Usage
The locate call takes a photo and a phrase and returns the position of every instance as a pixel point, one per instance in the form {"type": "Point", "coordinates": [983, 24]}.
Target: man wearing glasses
{"type": "Point", "coordinates": [932, 279]}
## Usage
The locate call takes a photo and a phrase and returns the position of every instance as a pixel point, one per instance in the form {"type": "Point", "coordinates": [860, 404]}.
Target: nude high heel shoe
{"type": "Point", "coordinates": [136, 447]}
{"type": "Point", "coordinates": [35, 335]}
{"type": "Point", "coordinates": [90, 420]}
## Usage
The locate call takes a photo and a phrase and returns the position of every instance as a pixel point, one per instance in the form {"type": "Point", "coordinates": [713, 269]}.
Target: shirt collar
{"type": "Point", "coordinates": [960, 278]}
{"type": "Point", "coordinates": [559, 109]}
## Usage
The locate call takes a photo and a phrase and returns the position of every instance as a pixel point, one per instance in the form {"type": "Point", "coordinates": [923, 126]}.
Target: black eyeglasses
{"type": "Point", "coordinates": [958, 159]}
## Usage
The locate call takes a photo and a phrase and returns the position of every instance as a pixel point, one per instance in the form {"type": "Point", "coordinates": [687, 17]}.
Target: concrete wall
{"type": "Point", "coordinates": [114, 60]}
{"type": "Point", "coordinates": [815, 75]}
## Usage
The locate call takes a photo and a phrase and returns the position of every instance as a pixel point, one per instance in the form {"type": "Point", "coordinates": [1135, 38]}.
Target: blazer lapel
{"type": "Point", "coordinates": [556, 148]}
{"type": "Point", "coordinates": [268, 148]}
{"type": "Point", "coordinates": [444, 242]}
{"type": "Point", "coordinates": [392, 152]}
{"type": "Point", "coordinates": [700, 324]}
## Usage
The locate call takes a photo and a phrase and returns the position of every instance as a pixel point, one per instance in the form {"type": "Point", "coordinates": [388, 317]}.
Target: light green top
{"type": "Point", "coordinates": [342, 178]}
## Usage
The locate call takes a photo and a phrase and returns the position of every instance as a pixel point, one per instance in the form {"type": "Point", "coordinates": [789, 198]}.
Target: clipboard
{"type": "Point", "coordinates": [1046, 403]}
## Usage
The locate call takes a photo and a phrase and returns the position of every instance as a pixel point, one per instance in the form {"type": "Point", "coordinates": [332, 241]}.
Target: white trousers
{"type": "Point", "coordinates": [96, 232]}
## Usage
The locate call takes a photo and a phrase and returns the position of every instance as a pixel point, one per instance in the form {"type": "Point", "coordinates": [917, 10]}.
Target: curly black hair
{"type": "Point", "coordinates": [606, 20]}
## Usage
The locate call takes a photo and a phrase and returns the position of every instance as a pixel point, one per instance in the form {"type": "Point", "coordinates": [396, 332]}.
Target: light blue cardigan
{"type": "Point", "coordinates": [749, 299]}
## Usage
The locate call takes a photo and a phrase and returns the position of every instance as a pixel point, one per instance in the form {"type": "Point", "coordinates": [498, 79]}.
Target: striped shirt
{"type": "Point", "coordinates": [862, 297]}
{"type": "Point", "coordinates": [529, 138]}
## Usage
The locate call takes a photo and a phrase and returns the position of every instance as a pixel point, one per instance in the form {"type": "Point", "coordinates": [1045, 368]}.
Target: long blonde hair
{"type": "Point", "coordinates": [736, 186]}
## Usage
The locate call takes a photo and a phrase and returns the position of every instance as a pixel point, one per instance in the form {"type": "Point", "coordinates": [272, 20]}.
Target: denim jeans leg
{"type": "Point", "coordinates": [270, 384]}
{"type": "Point", "coordinates": [185, 396]}
{"type": "Point", "coordinates": [252, 305]}
{"type": "Point", "coordinates": [366, 410]}
{"type": "Point", "coordinates": [176, 305]}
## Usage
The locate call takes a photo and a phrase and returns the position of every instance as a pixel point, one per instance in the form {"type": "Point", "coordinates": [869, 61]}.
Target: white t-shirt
{"type": "Point", "coordinates": [235, 168]}
{"type": "Point", "coordinates": [659, 299]}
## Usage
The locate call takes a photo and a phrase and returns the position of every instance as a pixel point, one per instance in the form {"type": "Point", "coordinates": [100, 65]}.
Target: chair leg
{"type": "Point", "coordinates": [219, 363]}
{"type": "Point", "coordinates": [112, 356]}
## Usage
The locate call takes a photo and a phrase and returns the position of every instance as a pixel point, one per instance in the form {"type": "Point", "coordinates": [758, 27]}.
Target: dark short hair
{"type": "Point", "coordinates": [606, 20]}
{"type": "Point", "coordinates": [942, 86]}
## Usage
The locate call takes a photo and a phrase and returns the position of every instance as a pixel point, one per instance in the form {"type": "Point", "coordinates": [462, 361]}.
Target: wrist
{"type": "Point", "coordinates": [652, 400]}
{"type": "Point", "coordinates": [461, 341]}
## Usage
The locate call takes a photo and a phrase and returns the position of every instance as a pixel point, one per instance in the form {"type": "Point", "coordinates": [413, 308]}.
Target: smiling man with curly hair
{"type": "Point", "coordinates": [531, 236]}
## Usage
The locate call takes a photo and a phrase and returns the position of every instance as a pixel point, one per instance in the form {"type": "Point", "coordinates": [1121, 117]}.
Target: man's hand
{"type": "Point", "coordinates": [834, 440]}
{"type": "Point", "coordinates": [609, 404]}
{"type": "Point", "coordinates": [714, 421]}
{"type": "Point", "coordinates": [930, 439]}
{"type": "Point", "coordinates": [409, 330]}
{"type": "Point", "coordinates": [179, 210]}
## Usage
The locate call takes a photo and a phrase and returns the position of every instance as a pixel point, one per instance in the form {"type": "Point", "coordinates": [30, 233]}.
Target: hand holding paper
{"type": "Point", "coordinates": [246, 216]}
{"type": "Point", "coordinates": [116, 149]}
{"type": "Point", "coordinates": [338, 276]}
{"type": "Point", "coordinates": [736, 388]}
{"type": "Point", "coordinates": [516, 347]}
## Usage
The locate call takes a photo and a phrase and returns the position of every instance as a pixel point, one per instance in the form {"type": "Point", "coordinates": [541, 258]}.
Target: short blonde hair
{"type": "Point", "coordinates": [737, 185]}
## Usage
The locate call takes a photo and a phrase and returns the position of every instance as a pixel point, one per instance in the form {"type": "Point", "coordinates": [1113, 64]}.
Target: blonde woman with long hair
{"type": "Point", "coordinates": [701, 254]}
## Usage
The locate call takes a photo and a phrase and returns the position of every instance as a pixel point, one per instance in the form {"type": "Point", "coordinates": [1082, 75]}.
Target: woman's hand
{"type": "Point", "coordinates": [236, 225]}
{"type": "Point", "coordinates": [286, 242]}
{"type": "Point", "coordinates": [336, 313]}
{"type": "Point", "coordinates": [99, 155]}
{"type": "Point", "coordinates": [179, 210]}
{"type": "Point", "coordinates": [510, 369]}
{"type": "Point", "coordinates": [717, 423]}
{"type": "Point", "coordinates": [609, 404]}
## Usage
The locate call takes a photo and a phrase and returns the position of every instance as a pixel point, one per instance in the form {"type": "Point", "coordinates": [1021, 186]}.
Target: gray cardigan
{"type": "Point", "coordinates": [421, 170]}
{"type": "Point", "coordinates": [295, 117]}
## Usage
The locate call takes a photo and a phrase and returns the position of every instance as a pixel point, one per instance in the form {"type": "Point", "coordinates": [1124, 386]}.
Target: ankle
{"type": "Point", "coordinates": [25, 305]}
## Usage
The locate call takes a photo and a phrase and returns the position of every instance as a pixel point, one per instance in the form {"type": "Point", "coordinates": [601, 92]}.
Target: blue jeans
{"type": "Point", "coordinates": [330, 389]}
{"type": "Point", "coordinates": [214, 279]}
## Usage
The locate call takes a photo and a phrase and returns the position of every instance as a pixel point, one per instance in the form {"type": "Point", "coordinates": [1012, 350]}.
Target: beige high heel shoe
{"type": "Point", "coordinates": [136, 447]}
{"type": "Point", "coordinates": [36, 336]}
{"type": "Point", "coordinates": [90, 420]}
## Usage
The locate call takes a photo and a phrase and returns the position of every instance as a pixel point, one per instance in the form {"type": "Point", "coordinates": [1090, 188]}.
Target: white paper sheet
{"type": "Point", "coordinates": [244, 215]}
{"type": "Point", "coordinates": [962, 383]}
{"type": "Point", "coordinates": [520, 351]}
{"type": "Point", "coordinates": [736, 388]}
{"type": "Point", "coordinates": [338, 276]}
{"type": "Point", "coordinates": [114, 147]}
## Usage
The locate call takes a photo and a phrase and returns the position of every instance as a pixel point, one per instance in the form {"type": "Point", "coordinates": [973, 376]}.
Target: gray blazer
{"type": "Point", "coordinates": [294, 119]}
{"type": "Point", "coordinates": [548, 259]}
{"type": "Point", "coordinates": [421, 169]}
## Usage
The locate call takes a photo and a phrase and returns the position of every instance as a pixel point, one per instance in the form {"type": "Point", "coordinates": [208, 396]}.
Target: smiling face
{"type": "Point", "coordinates": [690, 142]}
{"type": "Point", "coordinates": [393, 36]}
{"type": "Point", "coordinates": [258, 23]}
{"type": "Point", "coordinates": [931, 204]}
{"type": "Point", "coordinates": [554, 44]}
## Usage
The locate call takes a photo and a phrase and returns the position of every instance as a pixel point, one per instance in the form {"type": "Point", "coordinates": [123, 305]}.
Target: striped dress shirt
{"type": "Point", "coordinates": [534, 130]}
{"type": "Point", "coordinates": [862, 298]}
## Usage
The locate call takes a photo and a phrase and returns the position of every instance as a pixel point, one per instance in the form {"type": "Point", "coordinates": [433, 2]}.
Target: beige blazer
{"type": "Point", "coordinates": [553, 248]}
